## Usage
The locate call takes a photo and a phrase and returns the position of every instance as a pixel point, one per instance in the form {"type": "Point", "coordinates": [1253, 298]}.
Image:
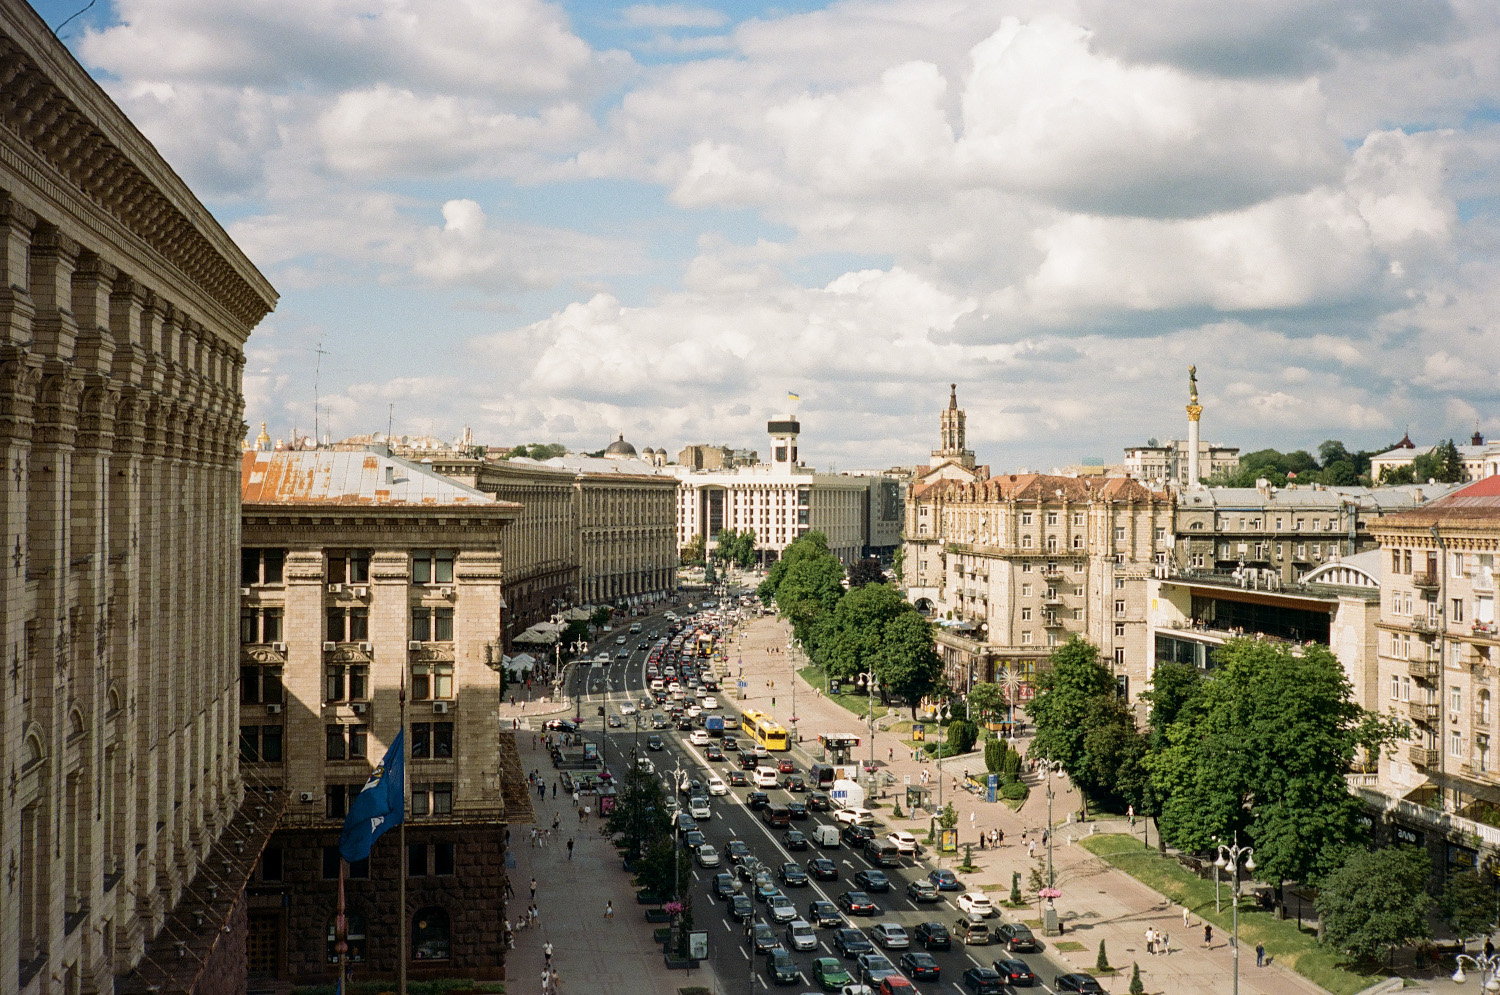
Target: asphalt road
{"type": "Point", "coordinates": [738, 970]}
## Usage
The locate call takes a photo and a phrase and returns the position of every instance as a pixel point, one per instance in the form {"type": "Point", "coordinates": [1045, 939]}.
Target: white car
{"type": "Point", "coordinates": [801, 935]}
{"type": "Point", "coordinates": [707, 856]}
{"type": "Point", "coordinates": [976, 904]}
{"type": "Point", "coordinates": [698, 737]}
{"type": "Point", "coordinates": [904, 842]}
{"type": "Point", "coordinates": [767, 777]}
{"type": "Point", "coordinates": [854, 816]}
{"type": "Point", "coordinates": [602, 660]}
{"type": "Point", "coordinates": [698, 809]}
{"type": "Point", "coordinates": [693, 711]}
{"type": "Point", "coordinates": [710, 703]}
{"type": "Point", "coordinates": [761, 751]}
{"type": "Point", "coordinates": [619, 640]}
{"type": "Point", "coordinates": [716, 785]}
{"type": "Point", "coordinates": [628, 708]}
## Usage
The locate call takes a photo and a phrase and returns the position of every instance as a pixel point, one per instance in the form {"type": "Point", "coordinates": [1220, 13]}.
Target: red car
{"type": "Point", "coordinates": [786, 766]}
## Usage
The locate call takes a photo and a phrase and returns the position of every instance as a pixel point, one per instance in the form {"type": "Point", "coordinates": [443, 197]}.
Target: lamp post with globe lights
{"type": "Point", "coordinates": [1231, 857]}
{"type": "Point", "coordinates": [1047, 768]}
{"type": "Point", "coordinates": [1487, 964]}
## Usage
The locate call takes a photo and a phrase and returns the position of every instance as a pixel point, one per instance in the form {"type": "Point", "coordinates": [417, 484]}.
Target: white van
{"type": "Point", "coordinates": [826, 836]}
{"type": "Point", "coordinates": [767, 777]}
{"type": "Point", "coordinates": [658, 686]}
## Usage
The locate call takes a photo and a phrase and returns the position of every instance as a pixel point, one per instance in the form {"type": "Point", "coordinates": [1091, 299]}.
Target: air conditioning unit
{"type": "Point", "coordinates": [361, 592]}
{"type": "Point", "coordinates": [307, 796]}
{"type": "Point", "coordinates": [414, 644]}
{"type": "Point", "coordinates": [273, 709]}
{"type": "Point", "coordinates": [335, 588]}
{"type": "Point", "coordinates": [367, 647]}
{"type": "Point", "coordinates": [244, 592]}
{"type": "Point", "coordinates": [440, 708]}
{"type": "Point", "coordinates": [360, 707]}
{"type": "Point", "coordinates": [330, 647]}
{"type": "Point", "coordinates": [446, 592]}
{"type": "Point", "coordinates": [279, 647]}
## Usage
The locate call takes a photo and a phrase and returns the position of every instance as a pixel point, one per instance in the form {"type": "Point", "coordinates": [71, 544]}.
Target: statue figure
{"type": "Point", "coordinates": [1193, 383]}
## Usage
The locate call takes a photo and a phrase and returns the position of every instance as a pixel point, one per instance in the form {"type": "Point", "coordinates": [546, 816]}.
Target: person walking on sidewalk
{"type": "Point", "coordinates": [570, 848]}
{"type": "Point", "coordinates": [1260, 955]}
{"type": "Point", "coordinates": [1208, 934]}
{"type": "Point", "coordinates": [547, 952]}
{"type": "Point", "coordinates": [609, 910]}
{"type": "Point", "coordinates": [533, 889]}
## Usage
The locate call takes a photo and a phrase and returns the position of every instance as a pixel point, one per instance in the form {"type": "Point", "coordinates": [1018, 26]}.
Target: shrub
{"type": "Point", "coordinates": [1137, 986]}
{"type": "Point", "coordinates": [994, 755]}
{"type": "Point", "coordinates": [1102, 962]}
{"type": "Point", "coordinates": [1014, 791]}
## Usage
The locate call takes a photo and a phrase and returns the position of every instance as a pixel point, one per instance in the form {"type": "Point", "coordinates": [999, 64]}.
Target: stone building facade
{"type": "Point", "coordinates": [1015, 565]}
{"type": "Point", "coordinates": [366, 578]}
{"type": "Point", "coordinates": [126, 831]}
{"type": "Point", "coordinates": [1438, 660]}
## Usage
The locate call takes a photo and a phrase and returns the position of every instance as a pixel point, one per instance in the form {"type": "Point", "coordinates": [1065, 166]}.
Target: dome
{"type": "Point", "coordinates": [619, 447]}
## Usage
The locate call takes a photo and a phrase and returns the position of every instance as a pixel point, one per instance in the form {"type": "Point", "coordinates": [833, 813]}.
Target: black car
{"type": "Point", "coordinates": [920, 966]}
{"type": "Point", "coordinates": [932, 936]}
{"type": "Point", "coordinates": [780, 967]}
{"type": "Point", "coordinates": [1078, 983]}
{"type": "Point", "coordinates": [1015, 973]}
{"type": "Point", "coordinates": [764, 938]}
{"type": "Point", "coordinates": [823, 869]}
{"type": "Point", "coordinates": [817, 801]}
{"type": "Point", "coordinates": [736, 851]}
{"type": "Point", "coordinates": [757, 799]}
{"type": "Point", "coordinates": [855, 836]}
{"type": "Point", "coordinates": [723, 885]}
{"type": "Point", "coordinates": [714, 753]}
{"type": "Point", "coordinates": [1017, 937]}
{"type": "Point", "coordinates": [857, 903]}
{"type": "Point", "coordinates": [737, 779]}
{"type": "Point", "coordinates": [653, 742]}
{"type": "Point", "coordinates": [730, 743]}
{"type": "Point", "coordinates": [852, 942]}
{"type": "Point", "coordinates": [748, 760]}
{"type": "Point", "coordinates": [686, 823]}
{"type": "Point", "coordinates": [872, 880]}
{"type": "Point", "coordinates": [795, 840]}
{"type": "Point", "coordinates": [985, 981]}
{"type": "Point", "coordinates": [742, 908]}
{"type": "Point", "coordinates": [693, 839]}
{"type": "Point", "coordinates": [792, 875]}
{"type": "Point", "coordinates": [796, 810]}
{"type": "Point", "coordinates": [684, 724]}
{"type": "Point", "coordinates": [794, 782]}
{"type": "Point", "coordinates": [821, 913]}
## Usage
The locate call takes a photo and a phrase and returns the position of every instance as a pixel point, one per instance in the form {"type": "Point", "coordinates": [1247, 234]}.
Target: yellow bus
{"type": "Point", "coordinates": [764, 730]}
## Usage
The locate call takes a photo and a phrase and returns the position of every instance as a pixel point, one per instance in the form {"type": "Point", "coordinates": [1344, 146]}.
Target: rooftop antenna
{"type": "Point", "coordinates": [317, 373]}
{"type": "Point", "coordinates": [390, 419]}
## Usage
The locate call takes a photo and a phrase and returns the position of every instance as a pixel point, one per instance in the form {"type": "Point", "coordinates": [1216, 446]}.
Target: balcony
{"type": "Point", "coordinates": [1421, 756]}
{"type": "Point", "coordinates": [1424, 624]}
{"type": "Point", "coordinates": [1051, 621]}
{"type": "Point", "coordinates": [1427, 580]}
{"type": "Point", "coordinates": [1426, 670]}
{"type": "Point", "coordinates": [1480, 719]}
{"type": "Point", "coordinates": [1052, 573]}
{"type": "Point", "coordinates": [1426, 712]}
{"type": "Point", "coordinates": [1053, 598]}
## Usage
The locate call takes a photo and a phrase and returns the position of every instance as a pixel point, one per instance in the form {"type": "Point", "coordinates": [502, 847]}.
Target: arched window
{"type": "Point", "coordinates": [356, 940]}
{"type": "Point", "coordinates": [1026, 542]}
{"type": "Point", "coordinates": [429, 934]}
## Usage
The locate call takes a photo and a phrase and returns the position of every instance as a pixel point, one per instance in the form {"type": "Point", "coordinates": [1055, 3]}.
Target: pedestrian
{"type": "Point", "coordinates": [999, 837]}
{"type": "Point", "coordinates": [556, 820]}
{"type": "Point", "coordinates": [570, 848]}
{"type": "Point", "coordinates": [890, 754]}
{"type": "Point", "coordinates": [1045, 835]}
{"type": "Point", "coordinates": [533, 889]}
{"type": "Point", "coordinates": [1185, 922]}
{"type": "Point", "coordinates": [1031, 849]}
{"type": "Point", "coordinates": [1150, 940]}
{"type": "Point", "coordinates": [1260, 955]}
{"type": "Point", "coordinates": [1208, 934]}
{"type": "Point", "coordinates": [586, 813]}
{"type": "Point", "coordinates": [982, 839]}
{"type": "Point", "coordinates": [609, 910]}
{"type": "Point", "coordinates": [547, 952]}
{"type": "Point", "coordinates": [546, 980]}
{"type": "Point", "coordinates": [554, 789]}
{"type": "Point", "coordinates": [509, 891]}
{"type": "Point", "coordinates": [580, 813]}
{"type": "Point", "coordinates": [1166, 943]}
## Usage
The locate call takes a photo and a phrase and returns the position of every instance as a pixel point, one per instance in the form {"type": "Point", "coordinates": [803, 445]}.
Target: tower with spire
{"type": "Point", "coordinates": [952, 435]}
{"type": "Point", "coordinates": [1194, 412]}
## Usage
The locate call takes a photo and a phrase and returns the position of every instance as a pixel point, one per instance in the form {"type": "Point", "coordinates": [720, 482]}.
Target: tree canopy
{"type": "Point", "coordinates": [1376, 900]}
{"type": "Point", "coordinates": [866, 571]}
{"type": "Point", "coordinates": [538, 451]}
{"type": "Point", "coordinates": [735, 546]}
{"type": "Point", "coordinates": [1334, 464]}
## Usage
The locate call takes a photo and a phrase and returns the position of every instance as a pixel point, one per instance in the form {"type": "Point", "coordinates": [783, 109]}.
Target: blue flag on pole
{"type": "Point", "coordinates": [380, 806]}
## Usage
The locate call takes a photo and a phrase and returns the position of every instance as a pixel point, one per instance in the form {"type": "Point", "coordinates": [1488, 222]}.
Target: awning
{"type": "Point", "coordinates": [521, 663]}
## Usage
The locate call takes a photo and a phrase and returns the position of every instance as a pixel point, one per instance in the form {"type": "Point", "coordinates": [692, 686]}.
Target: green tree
{"type": "Point", "coordinates": [1073, 682]}
{"type": "Point", "coordinates": [744, 549]}
{"type": "Point", "coordinates": [692, 552]}
{"type": "Point", "coordinates": [908, 663]}
{"type": "Point", "coordinates": [1468, 905]}
{"type": "Point", "coordinates": [1375, 901]}
{"type": "Point", "coordinates": [1340, 473]}
{"type": "Point", "coordinates": [1332, 451]}
{"type": "Point", "coordinates": [601, 615]}
{"type": "Point", "coordinates": [1174, 686]}
{"type": "Point", "coordinates": [948, 817]}
{"type": "Point", "coordinates": [986, 699]}
{"type": "Point", "coordinates": [723, 550]}
{"type": "Point", "coordinates": [1137, 986]}
{"type": "Point", "coordinates": [961, 736]}
{"type": "Point", "coordinates": [866, 571]}
{"type": "Point", "coordinates": [855, 633]}
{"type": "Point", "coordinates": [1262, 751]}
{"type": "Point", "coordinates": [1112, 768]}
{"type": "Point", "coordinates": [1101, 962]}
{"type": "Point", "coordinates": [577, 630]}
{"type": "Point", "coordinates": [1450, 463]}
{"type": "Point", "coordinates": [1398, 475]}
{"type": "Point", "coordinates": [994, 755]}
{"type": "Point", "coordinates": [640, 814]}
{"type": "Point", "coordinates": [806, 584]}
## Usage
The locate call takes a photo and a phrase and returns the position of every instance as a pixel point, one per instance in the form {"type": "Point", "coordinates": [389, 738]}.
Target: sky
{"type": "Point", "coordinates": [565, 221]}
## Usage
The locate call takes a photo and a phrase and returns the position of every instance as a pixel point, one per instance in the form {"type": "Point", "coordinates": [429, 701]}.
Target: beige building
{"type": "Point", "coordinates": [778, 500]}
{"type": "Point", "coordinates": [1167, 463]}
{"type": "Point", "coordinates": [1439, 654]}
{"type": "Point", "coordinates": [1013, 566]}
{"type": "Point", "coordinates": [1480, 459]}
{"type": "Point", "coordinates": [126, 829]}
{"type": "Point", "coordinates": [364, 576]}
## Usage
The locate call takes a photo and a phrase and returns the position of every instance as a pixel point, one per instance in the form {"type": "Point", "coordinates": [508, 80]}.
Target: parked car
{"type": "Point", "coordinates": [872, 880]}
{"type": "Point", "coordinates": [823, 869]}
{"type": "Point", "coordinates": [932, 936]}
{"type": "Point", "coordinates": [891, 936]}
{"type": "Point", "coordinates": [920, 966]}
{"type": "Point", "coordinates": [922, 891]}
{"type": "Point", "coordinates": [1015, 973]}
{"type": "Point", "coordinates": [1016, 937]}
{"type": "Point", "coordinates": [1081, 983]}
{"type": "Point", "coordinates": [976, 904]}
{"type": "Point", "coordinates": [984, 981]}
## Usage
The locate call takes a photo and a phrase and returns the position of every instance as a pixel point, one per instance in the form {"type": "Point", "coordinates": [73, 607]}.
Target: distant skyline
{"type": "Point", "coordinates": [563, 221]}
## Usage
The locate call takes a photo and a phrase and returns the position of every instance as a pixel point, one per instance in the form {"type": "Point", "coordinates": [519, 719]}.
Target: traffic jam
{"type": "Point", "coordinates": [806, 887]}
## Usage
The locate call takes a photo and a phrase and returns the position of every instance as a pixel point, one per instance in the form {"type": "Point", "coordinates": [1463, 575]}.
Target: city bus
{"type": "Point", "coordinates": [764, 730]}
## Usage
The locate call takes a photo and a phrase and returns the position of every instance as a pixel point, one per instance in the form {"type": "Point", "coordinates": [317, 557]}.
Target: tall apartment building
{"type": "Point", "coordinates": [779, 500]}
{"type": "Point", "coordinates": [1013, 566]}
{"type": "Point", "coordinates": [1438, 661]}
{"type": "Point", "coordinates": [363, 574]}
{"type": "Point", "coordinates": [126, 832]}
{"type": "Point", "coordinates": [1167, 463]}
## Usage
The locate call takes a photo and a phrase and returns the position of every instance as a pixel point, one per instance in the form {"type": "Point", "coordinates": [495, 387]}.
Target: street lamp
{"type": "Point", "coordinates": [868, 680]}
{"type": "Point", "coordinates": [1049, 915]}
{"type": "Point", "coordinates": [1487, 965]}
{"type": "Point", "coordinates": [577, 646]}
{"type": "Point", "coordinates": [1230, 856]}
{"type": "Point", "coordinates": [739, 889]}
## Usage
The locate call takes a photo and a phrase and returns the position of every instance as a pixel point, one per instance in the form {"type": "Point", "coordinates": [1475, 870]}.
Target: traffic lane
{"type": "Point", "coordinates": [768, 845]}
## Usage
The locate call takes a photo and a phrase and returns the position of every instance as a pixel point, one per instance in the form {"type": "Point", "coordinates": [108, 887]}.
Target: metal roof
{"type": "Point", "coordinates": [373, 478]}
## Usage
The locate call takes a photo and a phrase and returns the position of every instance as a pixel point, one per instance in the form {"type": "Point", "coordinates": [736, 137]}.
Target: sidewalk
{"type": "Point", "coordinates": [1098, 902]}
{"type": "Point", "coordinates": [591, 954]}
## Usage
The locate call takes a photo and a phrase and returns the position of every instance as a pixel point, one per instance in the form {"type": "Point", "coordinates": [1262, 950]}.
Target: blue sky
{"type": "Point", "coordinates": [562, 221]}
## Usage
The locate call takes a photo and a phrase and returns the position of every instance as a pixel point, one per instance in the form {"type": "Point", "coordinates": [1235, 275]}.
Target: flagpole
{"type": "Point", "coordinates": [401, 900]}
{"type": "Point", "coordinates": [341, 933]}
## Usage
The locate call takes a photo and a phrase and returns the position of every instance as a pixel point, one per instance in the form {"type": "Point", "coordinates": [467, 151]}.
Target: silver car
{"type": "Point", "coordinates": [801, 936]}
{"type": "Point", "coordinates": [782, 909]}
{"type": "Point", "coordinates": [890, 936]}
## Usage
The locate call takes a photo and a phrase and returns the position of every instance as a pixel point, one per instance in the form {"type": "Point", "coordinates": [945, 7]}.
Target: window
{"type": "Point", "coordinates": [432, 624]}
{"type": "Point", "coordinates": [1455, 743]}
{"type": "Point", "coordinates": [1052, 542]}
{"type": "Point", "coordinates": [1160, 534]}
{"type": "Point", "coordinates": [1026, 567]}
{"type": "Point", "coordinates": [355, 939]}
{"type": "Point", "coordinates": [1078, 518]}
{"type": "Point", "coordinates": [416, 857]}
{"type": "Point", "coordinates": [1078, 542]}
{"type": "Point", "coordinates": [432, 799]}
{"type": "Point", "coordinates": [1457, 613]}
{"type": "Point", "coordinates": [429, 935]}
{"type": "Point", "coordinates": [1119, 606]}
{"type": "Point", "coordinates": [260, 625]}
{"type": "Point", "coordinates": [260, 744]}
{"type": "Point", "coordinates": [1026, 542]}
{"type": "Point", "coordinates": [1078, 614]}
{"type": "Point", "coordinates": [349, 682]}
{"type": "Point", "coordinates": [1119, 628]}
{"type": "Point", "coordinates": [1455, 700]}
{"type": "Point", "coordinates": [348, 566]}
{"type": "Point", "coordinates": [1051, 518]}
{"type": "Point", "coordinates": [357, 869]}
{"type": "Point", "coordinates": [1315, 524]}
{"type": "Point", "coordinates": [260, 685]}
{"type": "Point", "coordinates": [272, 864]}
{"type": "Point", "coordinates": [1025, 639]}
{"type": "Point", "coordinates": [431, 679]}
{"type": "Point", "coordinates": [1301, 551]}
{"type": "Point", "coordinates": [1395, 561]}
{"type": "Point", "coordinates": [1406, 689]}
{"type": "Point", "coordinates": [423, 859]}
{"type": "Point", "coordinates": [336, 744]}
{"type": "Point", "coordinates": [1119, 534]}
{"type": "Point", "coordinates": [442, 858]}
{"type": "Point", "coordinates": [261, 566]}
{"type": "Point", "coordinates": [1026, 613]}
{"type": "Point", "coordinates": [1119, 583]}
{"type": "Point", "coordinates": [1025, 590]}
{"type": "Point", "coordinates": [432, 566]}
{"type": "Point", "coordinates": [338, 798]}
{"type": "Point", "coordinates": [348, 625]}
{"type": "Point", "coordinates": [1395, 688]}
{"type": "Point", "coordinates": [1119, 656]}
{"type": "Point", "coordinates": [1279, 523]}
{"type": "Point", "coordinates": [431, 739]}
{"type": "Point", "coordinates": [1197, 559]}
{"type": "Point", "coordinates": [1025, 518]}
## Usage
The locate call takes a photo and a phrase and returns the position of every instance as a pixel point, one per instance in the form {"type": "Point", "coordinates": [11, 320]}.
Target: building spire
{"type": "Point", "coordinates": [953, 396]}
